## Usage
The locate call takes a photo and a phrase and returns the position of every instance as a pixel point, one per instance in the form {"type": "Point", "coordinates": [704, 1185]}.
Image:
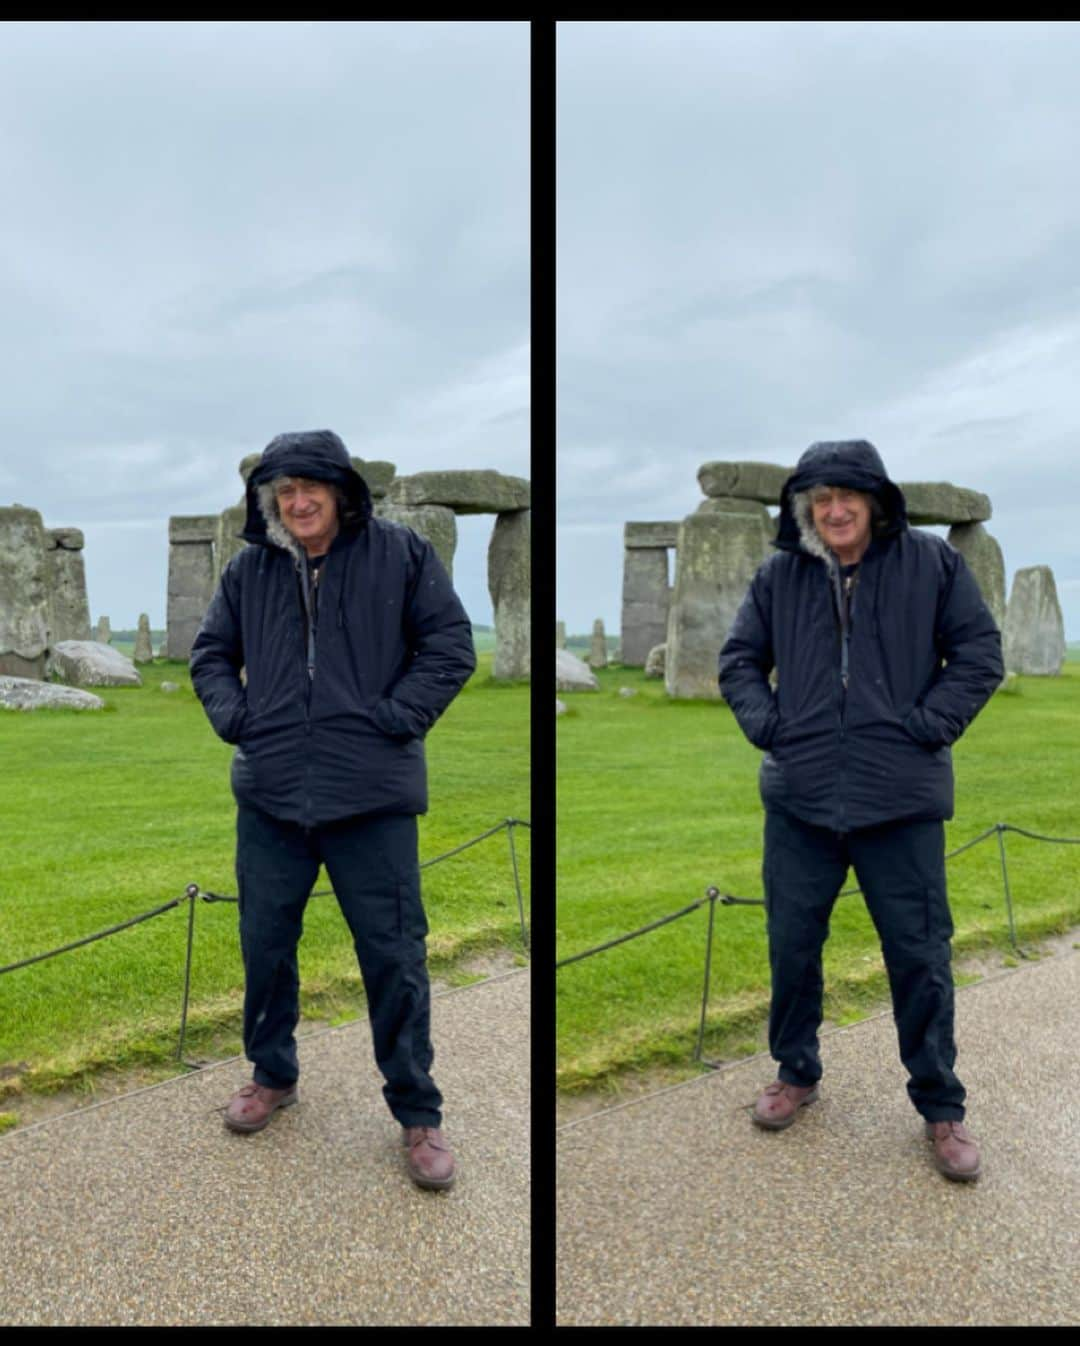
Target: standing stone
{"type": "Point", "coordinates": [983, 555]}
{"type": "Point", "coordinates": [69, 610]}
{"type": "Point", "coordinates": [191, 579]}
{"type": "Point", "coordinates": [654, 664]}
{"type": "Point", "coordinates": [434, 522]}
{"type": "Point", "coordinates": [509, 584]}
{"type": "Point", "coordinates": [103, 632]}
{"type": "Point", "coordinates": [247, 466]}
{"type": "Point", "coordinates": [227, 540]}
{"type": "Point", "coordinates": [716, 558]}
{"type": "Point", "coordinates": [560, 635]}
{"type": "Point", "coordinates": [598, 650]}
{"type": "Point", "coordinates": [646, 600]}
{"type": "Point", "coordinates": [1034, 628]}
{"type": "Point", "coordinates": [24, 593]}
{"type": "Point", "coordinates": [144, 650]}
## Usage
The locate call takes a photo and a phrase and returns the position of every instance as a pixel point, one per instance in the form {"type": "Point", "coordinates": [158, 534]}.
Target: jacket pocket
{"type": "Point", "coordinates": [389, 720]}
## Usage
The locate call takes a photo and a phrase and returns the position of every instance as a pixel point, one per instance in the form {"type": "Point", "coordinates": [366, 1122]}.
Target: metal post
{"type": "Point", "coordinates": [712, 895]}
{"type": "Point", "coordinates": [517, 884]}
{"type": "Point", "coordinates": [191, 892]}
{"type": "Point", "coordinates": [1000, 829]}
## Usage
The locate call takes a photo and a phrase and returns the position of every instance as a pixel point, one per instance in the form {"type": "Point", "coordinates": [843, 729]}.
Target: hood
{"type": "Point", "coordinates": [853, 463]}
{"type": "Point", "coordinates": [318, 454]}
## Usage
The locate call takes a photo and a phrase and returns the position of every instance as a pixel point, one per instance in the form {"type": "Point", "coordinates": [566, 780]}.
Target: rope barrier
{"type": "Point", "coordinates": [193, 891]}
{"type": "Point", "coordinates": [713, 895]}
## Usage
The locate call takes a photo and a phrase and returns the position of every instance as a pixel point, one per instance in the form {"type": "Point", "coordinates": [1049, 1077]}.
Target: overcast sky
{"type": "Point", "coordinates": [215, 232]}
{"type": "Point", "coordinates": [774, 233]}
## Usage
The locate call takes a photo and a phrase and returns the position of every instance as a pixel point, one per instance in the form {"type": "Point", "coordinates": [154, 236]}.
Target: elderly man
{"type": "Point", "coordinates": [352, 642]}
{"type": "Point", "coordinates": [884, 653]}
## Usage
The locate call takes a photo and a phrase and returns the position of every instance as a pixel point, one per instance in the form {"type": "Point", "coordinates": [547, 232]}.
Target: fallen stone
{"type": "Point", "coordinates": [628, 691]}
{"type": "Point", "coordinates": [1034, 629]}
{"type": "Point", "coordinates": [24, 592]}
{"type": "Point", "coordinates": [144, 649]}
{"type": "Point", "coordinates": [654, 664]}
{"type": "Point", "coordinates": [984, 558]}
{"type": "Point", "coordinates": [170, 686]}
{"type": "Point", "coordinates": [89, 663]}
{"type": "Point", "coordinates": [744, 481]}
{"type": "Point", "coordinates": [32, 694]}
{"type": "Point", "coordinates": [477, 492]}
{"type": "Point", "coordinates": [573, 674]}
{"type": "Point", "coordinates": [930, 502]}
{"type": "Point", "coordinates": [510, 587]}
{"type": "Point", "coordinates": [598, 656]}
{"type": "Point", "coordinates": [560, 707]}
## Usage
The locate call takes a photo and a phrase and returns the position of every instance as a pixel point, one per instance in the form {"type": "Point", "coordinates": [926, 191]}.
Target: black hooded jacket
{"type": "Point", "coordinates": [392, 648]}
{"type": "Point", "coordinates": [922, 656]}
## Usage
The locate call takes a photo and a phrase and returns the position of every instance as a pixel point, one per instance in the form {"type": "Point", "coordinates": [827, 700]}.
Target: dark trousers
{"type": "Point", "coordinates": [375, 872]}
{"type": "Point", "coordinates": [900, 868]}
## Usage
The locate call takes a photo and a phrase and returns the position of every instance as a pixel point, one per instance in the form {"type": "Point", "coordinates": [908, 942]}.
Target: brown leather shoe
{"type": "Point", "coordinates": [431, 1161]}
{"type": "Point", "coordinates": [956, 1151]}
{"type": "Point", "coordinates": [779, 1104]}
{"type": "Point", "coordinates": [251, 1107]}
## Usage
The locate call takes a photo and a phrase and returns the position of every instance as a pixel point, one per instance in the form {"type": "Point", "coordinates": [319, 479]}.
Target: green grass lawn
{"type": "Point", "coordinates": [109, 814]}
{"type": "Point", "coordinates": [658, 799]}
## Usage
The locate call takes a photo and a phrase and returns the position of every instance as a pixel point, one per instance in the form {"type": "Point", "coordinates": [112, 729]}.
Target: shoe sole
{"type": "Point", "coordinates": [767, 1125]}
{"type": "Point", "coordinates": [433, 1184]}
{"type": "Point", "coordinates": [246, 1128]}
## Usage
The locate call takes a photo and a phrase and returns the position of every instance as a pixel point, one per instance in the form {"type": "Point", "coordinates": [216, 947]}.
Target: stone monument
{"type": "Point", "coordinates": [1034, 629]}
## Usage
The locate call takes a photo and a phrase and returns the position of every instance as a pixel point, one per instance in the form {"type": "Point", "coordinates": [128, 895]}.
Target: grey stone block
{"type": "Point", "coordinates": [509, 584]}
{"type": "Point", "coordinates": [717, 556]}
{"type": "Point", "coordinates": [192, 528]}
{"type": "Point", "coordinates": [24, 591]}
{"type": "Point", "coordinates": [930, 502]}
{"type": "Point", "coordinates": [69, 608]}
{"type": "Point", "coordinates": [1034, 628]}
{"type": "Point", "coordinates": [650, 534]}
{"type": "Point", "coordinates": [191, 586]}
{"type": "Point", "coordinates": [476, 492]}
{"type": "Point", "coordinates": [983, 555]}
{"type": "Point", "coordinates": [434, 522]}
{"type": "Point", "coordinates": [88, 663]}
{"type": "Point", "coordinates": [646, 599]}
{"type": "Point", "coordinates": [573, 674]}
{"type": "Point", "coordinates": [744, 481]}
{"type": "Point", "coordinates": [377, 476]}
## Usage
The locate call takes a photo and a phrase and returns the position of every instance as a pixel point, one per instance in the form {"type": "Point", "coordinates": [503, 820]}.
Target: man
{"type": "Point", "coordinates": [351, 642]}
{"type": "Point", "coordinates": [884, 653]}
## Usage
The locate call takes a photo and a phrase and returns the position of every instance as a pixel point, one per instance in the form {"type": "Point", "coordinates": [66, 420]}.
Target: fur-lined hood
{"type": "Point", "coordinates": [317, 454]}
{"type": "Point", "coordinates": [853, 463]}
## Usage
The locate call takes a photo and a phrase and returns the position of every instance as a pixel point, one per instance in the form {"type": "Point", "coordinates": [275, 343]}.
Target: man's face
{"type": "Point", "coordinates": [309, 511]}
{"type": "Point", "coordinates": [842, 519]}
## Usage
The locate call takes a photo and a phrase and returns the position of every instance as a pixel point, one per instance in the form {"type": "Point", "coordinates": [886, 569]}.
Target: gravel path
{"type": "Point", "coordinates": [675, 1209]}
{"type": "Point", "coordinates": [146, 1210]}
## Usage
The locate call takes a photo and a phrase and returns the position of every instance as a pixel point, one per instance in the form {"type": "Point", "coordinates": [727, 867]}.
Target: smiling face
{"type": "Point", "coordinates": [842, 518]}
{"type": "Point", "coordinates": [309, 511]}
